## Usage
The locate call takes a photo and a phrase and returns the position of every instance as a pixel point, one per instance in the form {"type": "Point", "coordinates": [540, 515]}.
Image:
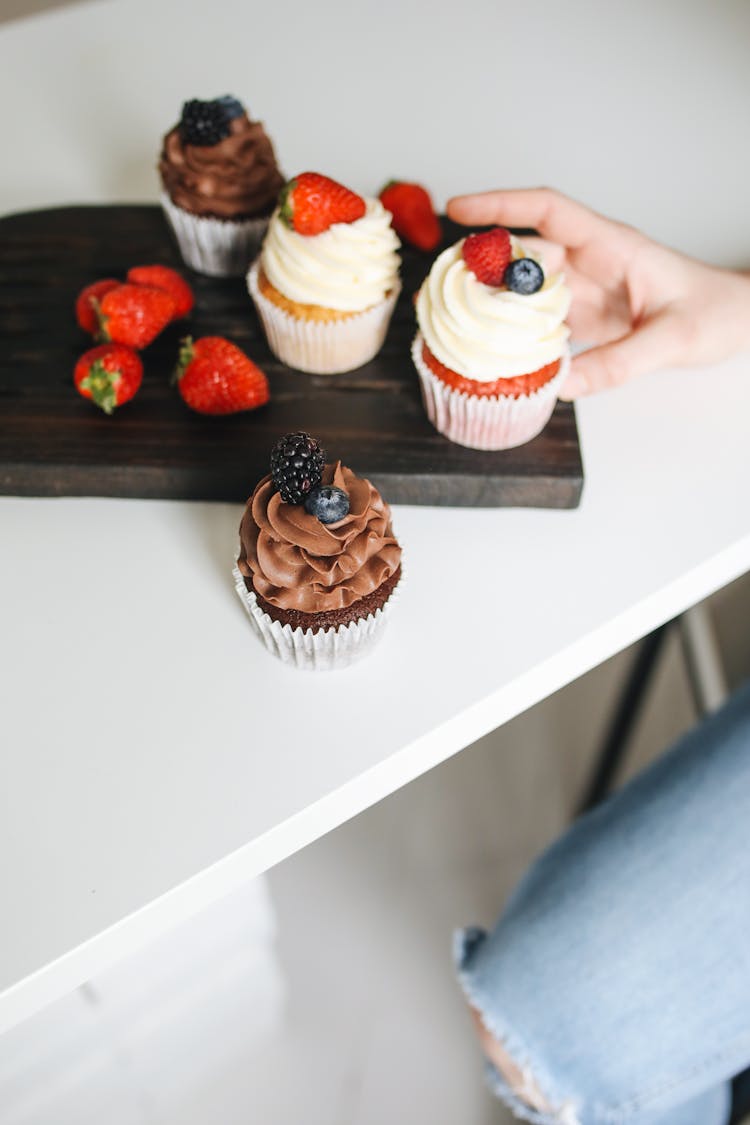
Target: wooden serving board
{"type": "Point", "coordinates": [54, 443]}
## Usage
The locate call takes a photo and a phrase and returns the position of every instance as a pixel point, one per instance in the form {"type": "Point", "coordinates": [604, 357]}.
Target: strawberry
{"type": "Point", "coordinates": [487, 254]}
{"type": "Point", "coordinates": [109, 375]}
{"type": "Point", "coordinates": [134, 314]}
{"type": "Point", "coordinates": [414, 217]}
{"type": "Point", "coordinates": [215, 377]}
{"type": "Point", "coordinates": [311, 203]}
{"type": "Point", "coordinates": [87, 300]}
{"type": "Point", "coordinates": [162, 277]}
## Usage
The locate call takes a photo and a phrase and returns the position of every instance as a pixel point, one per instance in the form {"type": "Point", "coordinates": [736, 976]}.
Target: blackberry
{"type": "Point", "coordinates": [204, 123]}
{"type": "Point", "coordinates": [524, 276]}
{"type": "Point", "coordinates": [327, 503]}
{"type": "Point", "coordinates": [296, 466]}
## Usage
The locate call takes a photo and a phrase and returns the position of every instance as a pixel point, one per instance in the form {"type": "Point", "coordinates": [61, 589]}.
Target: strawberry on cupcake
{"type": "Point", "coordinates": [326, 281]}
{"type": "Point", "coordinates": [492, 347]}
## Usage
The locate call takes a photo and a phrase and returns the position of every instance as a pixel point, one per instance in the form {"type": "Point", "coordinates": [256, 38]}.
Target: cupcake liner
{"type": "Point", "coordinates": [319, 650]}
{"type": "Point", "coordinates": [217, 247]}
{"type": "Point", "coordinates": [501, 422]}
{"type": "Point", "coordinates": [323, 347]}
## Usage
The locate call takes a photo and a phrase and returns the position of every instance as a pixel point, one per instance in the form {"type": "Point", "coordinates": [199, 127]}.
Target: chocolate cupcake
{"type": "Point", "coordinates": [318, 562]}
{"type": "Point", "coordinates": [220, 184]}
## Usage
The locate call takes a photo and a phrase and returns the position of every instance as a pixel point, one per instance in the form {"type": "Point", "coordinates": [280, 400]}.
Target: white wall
{"type": "Point", "coordinates": [639, 108]}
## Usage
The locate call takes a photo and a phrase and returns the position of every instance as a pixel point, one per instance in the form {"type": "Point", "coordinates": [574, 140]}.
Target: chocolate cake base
{"type": "Point", "coordinates": [334, 617]}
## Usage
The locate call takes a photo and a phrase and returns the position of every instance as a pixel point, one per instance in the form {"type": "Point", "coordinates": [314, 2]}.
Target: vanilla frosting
{"type": "Point", "coordinates": [488, 333]}
{"type": "Point", "coordinates": [349, 267]}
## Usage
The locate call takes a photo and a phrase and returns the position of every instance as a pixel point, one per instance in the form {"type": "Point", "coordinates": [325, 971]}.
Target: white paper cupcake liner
{"type": "Point", "coordinates": [320, 650]}
{"type": "Point", "coordinates": [217, 247]}
{"type": "Point", "coordinates": [486, 423]}
{"type": "Point", "coordinates": [323, 347]}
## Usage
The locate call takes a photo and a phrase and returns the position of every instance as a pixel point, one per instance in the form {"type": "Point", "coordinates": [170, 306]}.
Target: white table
{"type": "Point", "coordinates": [153, 755]}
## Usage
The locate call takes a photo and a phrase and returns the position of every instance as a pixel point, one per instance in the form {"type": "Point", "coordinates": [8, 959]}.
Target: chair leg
{"type": "Point", "coordinates": [708, 686]}
{"type": "Point", "coordinates": [705, 669]}
{"type": "Point", "coordinates": [628, 709]}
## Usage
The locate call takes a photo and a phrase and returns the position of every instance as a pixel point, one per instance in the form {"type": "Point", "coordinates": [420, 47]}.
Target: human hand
{"type": "Point", "coordinates": [640, 305]}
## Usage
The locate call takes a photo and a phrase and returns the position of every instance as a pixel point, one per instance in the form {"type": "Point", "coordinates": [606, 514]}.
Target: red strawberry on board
{"type": "Point", "coordinates": [163, 277]}
{"type": "Point", "coordinates": [487, 255]}
{"type": "Point", "coordinates": [311, 203]}
{"type": "Point", "coordinates": [414, 217]}
{"type": "Point", "coordinates": [214, 376]}
{"type": "Point", "coordinates": [108, 375]}
{"type": "Point", "coordinates": [87, 300]}
{"type": "Point", "coordinates": [134, 314]}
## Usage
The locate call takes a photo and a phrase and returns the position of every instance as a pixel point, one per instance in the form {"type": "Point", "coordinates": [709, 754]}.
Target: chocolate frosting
{"type": "Point", "coordinates": [238, 178]}
{"type": "Point", "coordinates": [297, 562]}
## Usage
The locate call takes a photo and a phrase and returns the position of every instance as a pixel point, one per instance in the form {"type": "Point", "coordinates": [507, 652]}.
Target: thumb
{"type": "Point", "coordinates": [654, 344]}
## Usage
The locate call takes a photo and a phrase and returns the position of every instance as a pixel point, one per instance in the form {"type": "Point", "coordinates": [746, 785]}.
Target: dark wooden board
{"type": "Point", "coordinates": [54, 443]}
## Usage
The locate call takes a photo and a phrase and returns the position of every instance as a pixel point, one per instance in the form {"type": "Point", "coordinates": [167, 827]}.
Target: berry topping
{"type": "Point", "coordinates": [311, 203]}
{"type": "Point", "coordinates": [108, 375]}
{"type": "Point", "coordinates": [207, 123]}
{"type": "Point", "coordinates": [524, 276]}
{"type": "Point", "coordinates": [487, 254]}
{"type": "Point", "coordinates": [231, 106]}
{"type": "Point", "coordinates": [413, 216]}
{"type": "Point", "coordinates": [162, 277]}
{"type": "Point", "coordinates": [296, 466]}
{"type": "Point", "coordinates": [216, 377]}
{"type": "Point", "coordinates": [87, 301]}
{"type": "Point", "coordinates": [327, 503]}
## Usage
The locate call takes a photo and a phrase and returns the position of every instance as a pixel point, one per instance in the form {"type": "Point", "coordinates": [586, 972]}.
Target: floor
{"type": "Point", "coordinates": [371, 1027]}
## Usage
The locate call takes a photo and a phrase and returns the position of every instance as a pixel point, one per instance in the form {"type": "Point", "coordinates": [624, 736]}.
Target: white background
{"type": "Point", "coordinates": [638, 108]}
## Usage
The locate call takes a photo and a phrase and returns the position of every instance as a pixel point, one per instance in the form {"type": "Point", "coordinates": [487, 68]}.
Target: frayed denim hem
{"type": "Point", "coordinates": [466, 943]}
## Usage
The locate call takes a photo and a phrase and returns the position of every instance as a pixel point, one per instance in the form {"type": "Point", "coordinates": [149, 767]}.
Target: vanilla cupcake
{"type": "Point", "coordinates": [318, 562]}
{"type": "Point", "coordinates": [326, 282]}
{"type": "Point", "coordinates": [220, 183]}
{"type": "Point", "coordinates": [492, 347]}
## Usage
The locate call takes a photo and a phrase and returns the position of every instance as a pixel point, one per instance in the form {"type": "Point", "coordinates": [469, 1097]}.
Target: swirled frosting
{"type": "Point", "coordinates": [296, 562]}
{"type": "Point", "coordinates": [486, 333]}
{"type": "Point", "coordinates": [349, 267]}
{"type": "Point", "coordinates": [237, 178]}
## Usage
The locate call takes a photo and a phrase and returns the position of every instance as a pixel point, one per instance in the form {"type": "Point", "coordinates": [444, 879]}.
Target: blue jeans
{"type": "Point", "coordinates": [618, 976]}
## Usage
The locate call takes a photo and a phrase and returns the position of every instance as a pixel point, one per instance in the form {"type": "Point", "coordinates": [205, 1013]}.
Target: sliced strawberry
{"type": "Point", "coordinates": [413, 214]}
{"type": "Point", "coordinates": [311, 203]}
{"type": "Point", "coordinates": [108, 375]}
{"type": "Point", "coordinates": [487, 254]}
{"type": "Point", "coordinates": [134, 314]}
{"type": "Point", "coordinates": [515, 387]}
{"type": "Point", "coordinates": [216, 377]}
{"type": "Point", "coordinates": [162, 277]}
{"type": "Point", "coordinates": [87, 300]}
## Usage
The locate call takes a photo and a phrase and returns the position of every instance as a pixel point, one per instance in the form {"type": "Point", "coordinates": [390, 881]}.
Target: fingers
{"type": "Point", "coordinates": [551, 254]}
{"type": "Point", "coordinates": [656, 344]}
{"type": "Point", "coordinates": [555, 216]}
{"type": "Point", "coordinates": [592, 322]}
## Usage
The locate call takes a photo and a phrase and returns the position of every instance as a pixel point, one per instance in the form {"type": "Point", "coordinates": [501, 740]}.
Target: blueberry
{"type": "Point", "coordinates": [327, 503]}
{"type": "Point", "coordinates": [524, 276]}
{"type": "Point", "coordinates": [232, 108]}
